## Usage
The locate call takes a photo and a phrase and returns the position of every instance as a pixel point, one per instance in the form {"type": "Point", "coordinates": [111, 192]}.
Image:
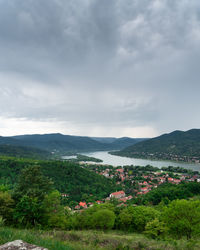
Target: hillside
{"type": "Point", "coordinates": [178, 145]}
{"type": "Point", "coordinates": [61, 144]}
{"type": "Point", "coordinates": [24, 152]}
{"type": "Point", "coordinates": [68, 178]}
{"type": "Point", "coordinates": [124, 142]}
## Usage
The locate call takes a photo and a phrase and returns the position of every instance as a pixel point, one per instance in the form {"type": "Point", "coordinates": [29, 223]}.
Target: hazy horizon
{"type": "Point", "coordinates": [99, 68]}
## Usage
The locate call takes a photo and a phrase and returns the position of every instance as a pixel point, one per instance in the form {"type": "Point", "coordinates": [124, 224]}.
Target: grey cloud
{"type": "Point", "coordinates": [101, 63]}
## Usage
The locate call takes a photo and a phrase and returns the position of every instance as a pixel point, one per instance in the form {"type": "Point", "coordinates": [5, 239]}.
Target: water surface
{"type": "Point", "coordinates": [115, 160]}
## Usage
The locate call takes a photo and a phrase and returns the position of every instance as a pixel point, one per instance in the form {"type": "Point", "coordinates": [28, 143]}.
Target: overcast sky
{"type": "Point", "coordinates": [99, 67]}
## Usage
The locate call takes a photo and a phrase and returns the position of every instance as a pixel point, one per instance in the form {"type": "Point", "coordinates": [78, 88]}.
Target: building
{"type": "Point", "coordinates": [118, 195]}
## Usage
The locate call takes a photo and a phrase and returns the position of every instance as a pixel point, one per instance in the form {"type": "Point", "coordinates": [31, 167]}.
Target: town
{"type": "Point", "coordinates": [136, 180]}
{"type": "Point", "coordinates": [166, 156]}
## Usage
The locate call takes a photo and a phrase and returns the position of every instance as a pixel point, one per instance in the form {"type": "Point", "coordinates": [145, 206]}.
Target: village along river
{"type": "Point", "coordinates": [125, 161]}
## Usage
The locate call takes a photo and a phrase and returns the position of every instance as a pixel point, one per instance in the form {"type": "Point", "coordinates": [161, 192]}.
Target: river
{"type": "Point", "coordinates": [123, 161]}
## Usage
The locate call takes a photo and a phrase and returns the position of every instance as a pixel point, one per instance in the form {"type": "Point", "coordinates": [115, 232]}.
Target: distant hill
{"type": "Point", "coordinates": [104, 139]}
{"type": "Point", "coordinates": [62, 144]}
{"type": "Point", "coordinates": [24, 152]}
{"type": "Point", "coordinates": [125, 142]}
{"type": "Point", "coordinates": [178, 145]}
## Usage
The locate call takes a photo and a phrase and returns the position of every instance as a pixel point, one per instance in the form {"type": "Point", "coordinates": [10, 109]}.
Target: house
{"type": "Point", "coordinates": [120, 170]}
{"type": "Point", "coordinates": [123, 199]}
{"type": "Point", "coordinates": [130, 197]}
{"type": "Point", "coordinates": [144, 189]}
{"type": "Point", "coordinates": [99, 202]}
{"type": "Point", "coordinates": [83, 204]}
{"type": "Point", "coordinates": [117, 195]}
{"type": "Point", "coordinates": [177, 181]}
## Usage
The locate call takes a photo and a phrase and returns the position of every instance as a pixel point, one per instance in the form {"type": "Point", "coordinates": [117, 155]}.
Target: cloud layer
{"type": "Point", "coordinates": [103, 68]}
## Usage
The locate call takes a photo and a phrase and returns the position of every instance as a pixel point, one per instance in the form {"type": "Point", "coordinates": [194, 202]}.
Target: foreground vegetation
{"type": "Point", "coordinates": [33, 203]}
{"type": "Point", "coordinates": [90, 240]}
{"type": "Point", "coordinates": [31, 207]}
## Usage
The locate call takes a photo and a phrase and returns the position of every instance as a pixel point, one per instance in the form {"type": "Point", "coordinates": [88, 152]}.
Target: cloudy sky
{"type": "Point", "coordinates": [99, 67]}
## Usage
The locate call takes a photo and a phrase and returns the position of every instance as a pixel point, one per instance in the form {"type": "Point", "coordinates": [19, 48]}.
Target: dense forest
{"type": "Point", "coordinates": [178, 145]}
{"type": "Point", "coordinates": [24, 152]}
{"type": "Point", "coordinates": [68, 178]}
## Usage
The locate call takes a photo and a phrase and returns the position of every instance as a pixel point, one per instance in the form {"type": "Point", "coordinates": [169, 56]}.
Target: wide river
{"type": "Point", "coordinates": [123, 161]}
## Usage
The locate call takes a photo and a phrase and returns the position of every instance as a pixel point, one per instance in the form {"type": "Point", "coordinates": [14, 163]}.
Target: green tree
{"type": "Point", "coordinates": [29, 195]}
{"type": "Point", "coordinates": [6, 206]}
{"type": "Point", "coordinates": [28, 211]}
{"type": "Point", "coordinates": [54, 213]}
{"type": "Point", "coordinates": [103, 219]}
{"type": "Point", "coordinates": [136, 218]}
{"type": "Point", "coordinates": [32, 183]}
{"type": "Point", "coordinates": [155, 229]}
{"type": "Point", "coordinates": [182, 218]}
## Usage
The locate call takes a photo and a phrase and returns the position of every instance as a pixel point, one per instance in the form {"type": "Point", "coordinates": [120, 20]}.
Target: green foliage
{"type": "Point", "coordinates": [6, 206]}
{"type": "Point", "coordinates": [168, 192]}
{"type": "Point", "coordinates": [96, 217]}
{"type": "Point", "coordinates": [103, 219]}
{"type": "Point", "coordinates": [29, 195]}
{"type": "Point", "coordinates": [54, 214]}
{"type": "Point", "coordinates": [2, 221]}
{"type": "Point", "coordinates": [28, 212]}
{"type": "Point", "coordinates": [155, 229]}
{"type": "Point", "coordinates": [136, 218]}
{"type": "Point", "coordinates": [68, 178]}
{"type": "Point", "coordinates": [182, 218]}
{"type": "Point", "coordinates": [32, 183]}
{"type": "Point", "coordinates": [36, 237]}
{"type": "Point", "coordinates": [24, 152]}
{"type": "Point", "coordinates": [86, 158]}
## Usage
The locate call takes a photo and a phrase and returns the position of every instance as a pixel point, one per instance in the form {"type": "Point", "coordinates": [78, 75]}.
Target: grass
{"type": "Point", "coordinates": [91, 240]}
{"type": "Point", "coordinates": [33, 237]}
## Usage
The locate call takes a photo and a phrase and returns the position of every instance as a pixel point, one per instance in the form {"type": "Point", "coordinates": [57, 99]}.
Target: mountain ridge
{"type": "Point", "coordinates": [60, 144]}
{"type": "Point", "coordinates": [177, 145]}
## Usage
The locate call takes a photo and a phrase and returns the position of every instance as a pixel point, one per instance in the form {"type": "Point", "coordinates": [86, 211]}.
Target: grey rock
{"type": "Point", "coordinates": [20, 245]}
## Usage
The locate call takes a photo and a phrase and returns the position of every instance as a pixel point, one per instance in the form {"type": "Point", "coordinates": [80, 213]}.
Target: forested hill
{"type": "Point", "coordinates": [66, 143]}
{"type": "Point", "coordinates": [178, 145]}
{"type": "Point", "coordinates": [24, 152]}
{"type": "Point", "coordinates": [69, 178]}
{"type": "Point", "coordinates": [60, 143]}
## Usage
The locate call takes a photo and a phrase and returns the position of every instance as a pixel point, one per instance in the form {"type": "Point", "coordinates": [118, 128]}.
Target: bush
{"type": "Point", "coordinates": [103, 219]}
{"type": "Point", "coordinates": [182, 218]}
{"type": "Point", "coordinates": [155, 229]}
{"type": "Point", "coordinates": [136, 218]}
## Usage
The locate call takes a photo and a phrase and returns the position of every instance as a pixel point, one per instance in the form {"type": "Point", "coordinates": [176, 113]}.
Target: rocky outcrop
{"type": "Point", "coordinates": [20, 245]}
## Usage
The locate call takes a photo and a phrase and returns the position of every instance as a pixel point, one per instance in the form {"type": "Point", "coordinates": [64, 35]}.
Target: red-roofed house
{"type": "Point", "coordinates": [118, 195]}
{"type": "Point", "coordinates": [130, 197]}
{"type": "Point", "coordinates": [120, 170]}
{"type": "Point", "coordinates": [177, 181]}
{"type": "Point", "coordinates": [124, 199]}
{"type": "Point", "coordinates": [99, 202]}
{"type": "Point", "coordinates": [170, 179]}
{"type": "Point", "coordinates": [144, 189]}
{"type": "Point", "coordinates": [83, 204]}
